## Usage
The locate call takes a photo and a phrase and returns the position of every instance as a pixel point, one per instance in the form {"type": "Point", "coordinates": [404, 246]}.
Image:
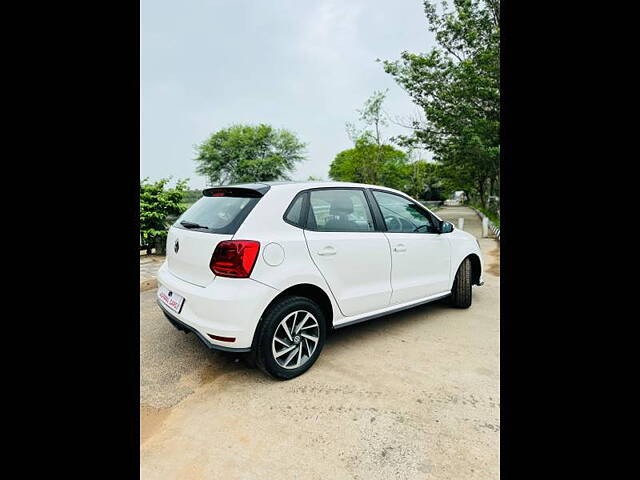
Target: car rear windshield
{"type": "Point", "coordinates": [217, 214]}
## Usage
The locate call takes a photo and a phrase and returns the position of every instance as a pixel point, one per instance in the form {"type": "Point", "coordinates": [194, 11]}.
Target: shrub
{"type": "Point", "coordinates": [156, 204]}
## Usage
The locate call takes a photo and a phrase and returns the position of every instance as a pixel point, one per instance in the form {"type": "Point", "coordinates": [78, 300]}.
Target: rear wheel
{"type": "Point", "coordinates": [461, 291]}
{"type": "Point", "coordinates": [291, 338]}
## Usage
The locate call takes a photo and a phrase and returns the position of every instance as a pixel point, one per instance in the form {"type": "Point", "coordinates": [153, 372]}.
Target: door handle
{"type": "Point", "coordinates": [400, 248]}
{"type": "Point", "coordinates": [326, 251]}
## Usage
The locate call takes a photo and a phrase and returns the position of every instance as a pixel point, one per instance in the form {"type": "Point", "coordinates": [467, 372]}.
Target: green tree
{"type": "Point", "coordinates": [248, 153]}
{"type": "Point", "coordinates": [374, 119]}
{"type": "Point", "coordinates": [372, 160]}
{"type": "Point", "coordinates": [457, 86]}
{"type": "Point", "coordinates": [424, 180]}
{"type": "Point", "coordinates": [156, 204]}
{"type": "Point", "coordinates": [354, 165]}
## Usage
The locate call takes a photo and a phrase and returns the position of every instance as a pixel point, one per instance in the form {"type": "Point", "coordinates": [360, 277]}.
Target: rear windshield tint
{"type": "Point", "coordinates": [217, 214]}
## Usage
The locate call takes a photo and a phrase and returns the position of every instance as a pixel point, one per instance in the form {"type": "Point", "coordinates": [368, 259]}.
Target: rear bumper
{"type": "Point", "coordinates": [227, 307]}
{"type": "Point", "coordinates": [186, 328]}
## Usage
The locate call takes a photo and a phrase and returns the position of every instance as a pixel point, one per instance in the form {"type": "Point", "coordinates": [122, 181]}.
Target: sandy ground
{"type": "Point", "coordinates": [412, 395]}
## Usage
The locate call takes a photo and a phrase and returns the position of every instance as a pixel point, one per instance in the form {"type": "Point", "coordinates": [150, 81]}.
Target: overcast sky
{"type": "Point", "coordinates": [301, 65]}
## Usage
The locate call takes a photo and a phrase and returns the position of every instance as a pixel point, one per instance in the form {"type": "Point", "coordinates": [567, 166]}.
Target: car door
{"type": "Point", "coordinates": [420, 256]}
{"type": "Point", "coordinates": [352, 256]}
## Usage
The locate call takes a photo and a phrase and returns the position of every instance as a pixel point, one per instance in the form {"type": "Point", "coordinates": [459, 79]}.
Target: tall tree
{"type": "Point", "coordinates": [425, 179]}
{"type": "Point", "coordinates": [457, 86]}
{"type": "Point", "coordinates": [248, 153]}
{"type": "Point", "coordinates": [369, 140]}
{"type": "Point", "coordinates": [373, 160]}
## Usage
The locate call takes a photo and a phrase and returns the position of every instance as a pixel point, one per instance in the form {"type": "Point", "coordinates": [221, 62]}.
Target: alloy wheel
{"type": "Point", "coordinates": [295, 339]}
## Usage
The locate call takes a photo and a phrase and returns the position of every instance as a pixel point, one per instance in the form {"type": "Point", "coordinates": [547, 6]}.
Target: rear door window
{"type": "Point", "coordinates": [339, 210]}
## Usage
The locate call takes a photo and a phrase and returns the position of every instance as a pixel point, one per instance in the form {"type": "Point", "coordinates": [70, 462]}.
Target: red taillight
{"type": "Point", "coordinates": [234, 258]}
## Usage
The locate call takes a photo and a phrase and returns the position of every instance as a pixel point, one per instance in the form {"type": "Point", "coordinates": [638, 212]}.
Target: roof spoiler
{"type": "Point", "coordinates": [252, 190]}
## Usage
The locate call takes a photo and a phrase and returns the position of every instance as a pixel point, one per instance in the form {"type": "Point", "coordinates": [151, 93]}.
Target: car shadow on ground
{"type": "Point", "coordinates": [360, 332]}
{"type": "Point", "coordinates": [351, 336]}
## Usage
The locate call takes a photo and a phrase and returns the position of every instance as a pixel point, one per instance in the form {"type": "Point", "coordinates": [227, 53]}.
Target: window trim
{"type": "Point", "coordinates": [419, 206]}
{"type": "Point", "coordinates": [381, 225]}
{"type": "Point", "coordinates": [302, 219]}
{"type": "Point", "coordinates": [306, 206]}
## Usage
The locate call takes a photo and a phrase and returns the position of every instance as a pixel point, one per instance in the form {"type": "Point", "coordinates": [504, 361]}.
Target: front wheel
{"type": "Point", "coordinates": [461, 291]}
{"type": "Point", "coordinates": [291, 338]}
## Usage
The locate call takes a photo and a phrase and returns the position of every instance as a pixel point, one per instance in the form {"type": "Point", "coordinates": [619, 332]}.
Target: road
{"type": "Point", "coordinates": [412, 395]}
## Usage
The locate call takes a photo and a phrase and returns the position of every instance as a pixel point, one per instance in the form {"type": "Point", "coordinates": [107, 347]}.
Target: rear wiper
{"type": "Point", "coordinates": [186, 224]}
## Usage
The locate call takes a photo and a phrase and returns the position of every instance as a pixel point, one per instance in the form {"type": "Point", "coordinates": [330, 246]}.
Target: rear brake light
{"type": "Point", "coordinates": [234, 258]}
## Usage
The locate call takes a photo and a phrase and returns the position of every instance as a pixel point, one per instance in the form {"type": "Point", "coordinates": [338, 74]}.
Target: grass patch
{"type": "Point", "coordinates": [495, 219]}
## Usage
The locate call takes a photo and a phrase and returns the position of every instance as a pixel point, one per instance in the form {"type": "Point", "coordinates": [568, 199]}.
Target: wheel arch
{"type": "Point", "coordinates": [476, 268]}
{"type": "Point", "coordinates": [307, 290]}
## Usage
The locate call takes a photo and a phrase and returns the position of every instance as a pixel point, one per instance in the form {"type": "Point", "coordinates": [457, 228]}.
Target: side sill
{"type": "Point", "coordinates": [395, 309]}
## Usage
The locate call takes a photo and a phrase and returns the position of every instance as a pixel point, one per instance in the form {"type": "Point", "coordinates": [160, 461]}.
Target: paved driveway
{"type": "Point", "coordinates": [412, 395]}
{"type": "Point", "coordinates": [472, 222]}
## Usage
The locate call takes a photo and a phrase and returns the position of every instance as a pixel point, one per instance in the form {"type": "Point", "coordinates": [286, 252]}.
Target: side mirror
{"type": "Point", "coordinates": [446, 227]}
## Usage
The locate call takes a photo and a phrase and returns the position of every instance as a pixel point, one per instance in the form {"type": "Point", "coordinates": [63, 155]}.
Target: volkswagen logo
{"type": "Point", "coordinates": [176, 246]}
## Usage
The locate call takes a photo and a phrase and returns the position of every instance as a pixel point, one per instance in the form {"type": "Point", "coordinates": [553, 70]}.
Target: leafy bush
{"type": "Point", "coordinates": [493, 216]}
{"type": "Point", "coordinates": [156, 204]}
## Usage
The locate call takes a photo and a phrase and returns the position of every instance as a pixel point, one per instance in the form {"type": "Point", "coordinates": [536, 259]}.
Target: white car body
{"type": "Point", "coordinates": [361, 274]}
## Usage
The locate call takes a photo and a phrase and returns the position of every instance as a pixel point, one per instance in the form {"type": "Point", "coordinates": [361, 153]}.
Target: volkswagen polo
{"type": "Point", "coordinates": [268, 268]}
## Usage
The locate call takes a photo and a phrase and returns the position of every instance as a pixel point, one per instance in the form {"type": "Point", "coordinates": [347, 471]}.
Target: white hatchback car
{"type": "Point", "coordinates": [268, 268]}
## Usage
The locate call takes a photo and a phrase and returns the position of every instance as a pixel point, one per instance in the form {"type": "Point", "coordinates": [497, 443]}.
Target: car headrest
{"type": "Point", "coordinates": [341, 205]}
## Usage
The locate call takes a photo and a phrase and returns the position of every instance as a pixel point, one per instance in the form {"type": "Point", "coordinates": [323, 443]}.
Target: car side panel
{"type": "Point", "coordinates": [420, 265]}
{"type": "Point", "coordinates": [284, 259]}
{"type": "Point", "coordinates": [358, 270]}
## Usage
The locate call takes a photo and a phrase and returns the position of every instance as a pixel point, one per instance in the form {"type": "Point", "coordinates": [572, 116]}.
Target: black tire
{"type": "Point", "coordinates": [461, 291]}
{"type": "Point", "coordinates": [264, 356]}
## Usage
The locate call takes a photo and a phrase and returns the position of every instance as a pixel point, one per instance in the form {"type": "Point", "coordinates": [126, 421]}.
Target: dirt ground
{"type": "Point", "coordinates": [412, 395]}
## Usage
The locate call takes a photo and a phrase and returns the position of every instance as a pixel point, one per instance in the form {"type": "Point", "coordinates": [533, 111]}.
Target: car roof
{"type": "Point", "coordinates": [297, 186]}
{"type": "Point", "coordinates": [322, 184]}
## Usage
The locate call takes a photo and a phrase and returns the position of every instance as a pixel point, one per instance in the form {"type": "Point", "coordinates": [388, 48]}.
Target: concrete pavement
{"type": "Point", "coordinates": [472, 222]}
{"type": "Point", "coordinates": [473, 225]}
{"type": "Point", "coordinates": [411, 395]}
{"type": "Point", "coordinates": [149, 265]}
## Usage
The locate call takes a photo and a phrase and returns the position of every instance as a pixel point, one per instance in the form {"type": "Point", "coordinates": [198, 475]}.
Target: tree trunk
{"type": "Point", "coordinates": [482, 193]}
{"type": "Point", "coordinates": [161, 245]}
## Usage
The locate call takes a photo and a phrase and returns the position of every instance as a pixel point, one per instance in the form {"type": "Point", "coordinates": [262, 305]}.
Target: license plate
{"type": "Point", "coordinates": [170, 299]}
